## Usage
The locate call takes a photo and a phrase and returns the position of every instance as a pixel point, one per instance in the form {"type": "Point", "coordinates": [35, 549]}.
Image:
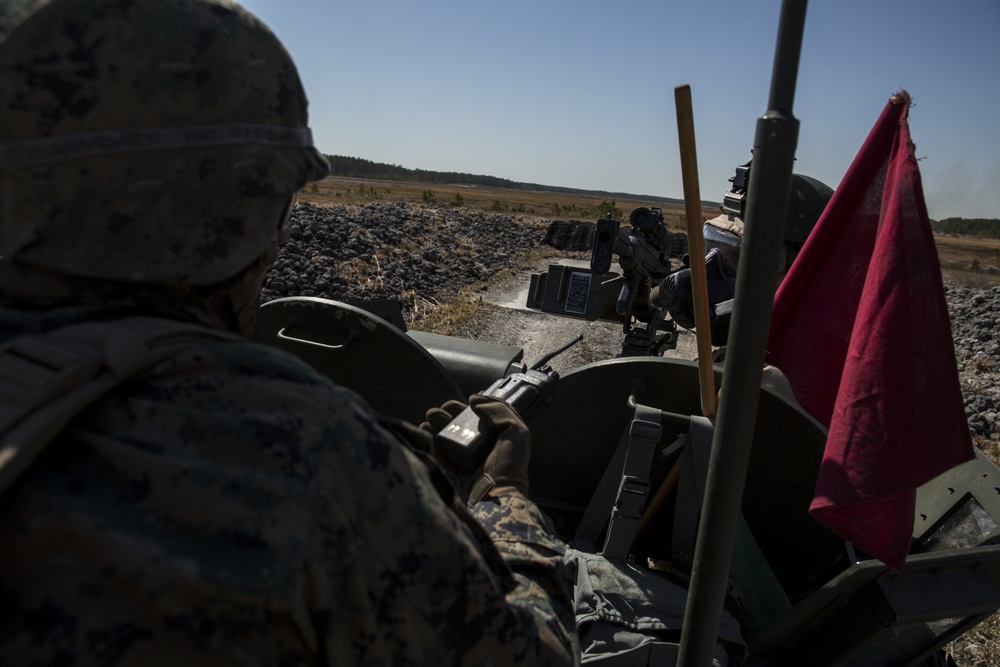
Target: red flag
{"type": "Point", "coordinates": [861, 329]}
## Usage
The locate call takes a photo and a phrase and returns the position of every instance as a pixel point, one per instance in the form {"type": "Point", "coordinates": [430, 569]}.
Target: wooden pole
{"type": "Point", "coordinates": [696, 248]}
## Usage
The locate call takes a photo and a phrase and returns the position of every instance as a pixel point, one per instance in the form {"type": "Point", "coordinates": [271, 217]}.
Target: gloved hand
{"type": "Point", "coordinates": [435, 420]}
{"type": "Point", "coordinates": [506, 467]}
{"type": "Point", "coordinates": [438, 418]}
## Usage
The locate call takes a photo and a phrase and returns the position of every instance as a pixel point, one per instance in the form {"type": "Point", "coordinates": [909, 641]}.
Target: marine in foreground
{"type": "Point", "coordinates": [172, 492]}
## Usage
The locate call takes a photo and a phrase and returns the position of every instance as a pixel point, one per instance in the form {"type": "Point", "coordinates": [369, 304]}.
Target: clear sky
{"type": "Point", "coordinates": [581, 93]}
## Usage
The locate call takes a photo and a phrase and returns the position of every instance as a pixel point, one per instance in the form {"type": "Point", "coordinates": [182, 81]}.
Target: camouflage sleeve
{"type": "Point", "coordinates": [396, 577]}
{"type": "Point", "coordinates": [232, 507]}
{"type": "Point", "coordinates": [525, 539]}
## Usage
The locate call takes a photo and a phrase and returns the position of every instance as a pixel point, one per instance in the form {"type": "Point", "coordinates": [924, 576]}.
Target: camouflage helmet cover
{"type": "Point", "coordinates": [152, 141]}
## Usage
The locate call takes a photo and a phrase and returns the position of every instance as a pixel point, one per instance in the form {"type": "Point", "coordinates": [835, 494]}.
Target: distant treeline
{"type": "Point", "coordinates": [353, 167]}
{"type": "Point", "coordinates": [989, 229]}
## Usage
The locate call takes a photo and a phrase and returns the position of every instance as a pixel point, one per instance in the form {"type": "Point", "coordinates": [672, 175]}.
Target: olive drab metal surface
{"type": "Point", "coordinates": [474, 364]}
{"type": "Point", "coordinates": [846, 608]}
{"type": "Point", "coordinates": [871, 615]}
{"type": "Point", "coordinates": [574, 440]}
{"type": "Point", "coordinates": [960, 508]}
{"type": "Point", "coordinates": [362, 352]}
{"type": "Point", "coordinates": [840, 607]}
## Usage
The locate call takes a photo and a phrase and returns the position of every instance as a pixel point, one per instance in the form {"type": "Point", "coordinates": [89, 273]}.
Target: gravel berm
{"type": "Point", "coordinates": [422, 254]}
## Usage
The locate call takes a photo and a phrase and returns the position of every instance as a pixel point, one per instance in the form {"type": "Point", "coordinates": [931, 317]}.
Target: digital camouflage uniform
{"type": "Point", "coordinates": [231, 506]}
{"type": "Point", "coordinates": [223, 504]}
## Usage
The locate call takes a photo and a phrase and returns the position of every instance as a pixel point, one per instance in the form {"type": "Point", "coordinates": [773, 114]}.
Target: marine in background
{"type": "Point", "coordinates": [723, 237]}
{"type": "Point", "coordinates": [171, 492]}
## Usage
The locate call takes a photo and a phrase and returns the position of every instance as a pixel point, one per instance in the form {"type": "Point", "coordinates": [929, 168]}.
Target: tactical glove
{"type": "Point", "coordinates": [506, 467]}
{"type": "Point", "coordinates": [438, 418]}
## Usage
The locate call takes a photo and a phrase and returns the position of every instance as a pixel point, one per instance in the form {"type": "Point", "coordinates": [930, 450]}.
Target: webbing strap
{"type": "Point", "coordinates": [47, 379]}
{"type": "Point", "coordinates": [691, 491]}
{"type": "Point", "coordinates": [633, 489]}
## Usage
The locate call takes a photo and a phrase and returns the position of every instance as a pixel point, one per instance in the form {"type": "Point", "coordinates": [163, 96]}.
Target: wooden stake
{"type": "Point", "coordinates": [696, 248]}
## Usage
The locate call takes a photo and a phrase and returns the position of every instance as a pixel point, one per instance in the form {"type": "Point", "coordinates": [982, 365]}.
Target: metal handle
{"type": "Point", "coordinates": [350, 338]}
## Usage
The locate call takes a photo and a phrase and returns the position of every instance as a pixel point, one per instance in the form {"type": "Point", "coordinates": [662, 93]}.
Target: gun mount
{"type": "Point", "coordinates": [628, 297]}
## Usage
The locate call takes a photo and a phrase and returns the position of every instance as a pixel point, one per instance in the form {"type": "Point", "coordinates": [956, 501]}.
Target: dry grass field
{"type": "Point", "coordinates": [964, 261]}
{"type": "Point", "coordinates": [538, 203]}
{"type": "Point", "coordinates": [969, 261]}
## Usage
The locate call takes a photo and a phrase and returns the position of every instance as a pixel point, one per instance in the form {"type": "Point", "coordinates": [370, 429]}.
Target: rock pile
{"type": "Point", "coordinates": [396, 251]}
{"type": "Point", "coordinates": [975, 325]}
{"type": "Point", "coordinates": [579, 235]}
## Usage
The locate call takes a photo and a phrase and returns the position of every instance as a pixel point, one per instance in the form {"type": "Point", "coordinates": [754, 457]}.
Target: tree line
{"type": "Point", "coordinates": [352, 167]}
{"type": "Point", "coordinates": [981, 227]}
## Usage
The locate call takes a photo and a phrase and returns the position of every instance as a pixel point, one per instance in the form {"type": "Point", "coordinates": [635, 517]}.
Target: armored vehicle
{"type": "Point", "coordinates": [707, 513]}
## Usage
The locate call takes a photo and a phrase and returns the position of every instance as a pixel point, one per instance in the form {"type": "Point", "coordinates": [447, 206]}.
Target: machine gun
{"type": "Point", "coordinates": [628, 297]}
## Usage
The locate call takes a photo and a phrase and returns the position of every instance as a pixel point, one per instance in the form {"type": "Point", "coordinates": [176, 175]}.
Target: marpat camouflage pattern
{"type": "Point", "coordinates": [231, 506]}
{"type": "Point", "coordinates": [226, 505]}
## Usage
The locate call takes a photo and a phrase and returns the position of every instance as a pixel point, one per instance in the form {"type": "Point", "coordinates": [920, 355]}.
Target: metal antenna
{"type": "Point", "coordinates": [768, 192]}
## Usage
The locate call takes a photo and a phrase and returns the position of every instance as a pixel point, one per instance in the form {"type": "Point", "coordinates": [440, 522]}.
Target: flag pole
{"type": "Point", "coordinates": [770, 185]}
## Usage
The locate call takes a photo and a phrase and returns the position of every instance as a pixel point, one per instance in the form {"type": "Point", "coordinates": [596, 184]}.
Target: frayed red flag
{"type": "Point", "coordinates": [860, 327]}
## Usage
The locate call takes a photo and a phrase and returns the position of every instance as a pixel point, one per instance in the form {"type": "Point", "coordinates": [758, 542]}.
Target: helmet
{"type": "Point", "coordinates": [806, 202]}
{"type": "Point", "coordinates": [723, 237]}
{"type": "Point", "coordinates": [808, 199]}
{"type": "Point", "coordinates": [151, 141]}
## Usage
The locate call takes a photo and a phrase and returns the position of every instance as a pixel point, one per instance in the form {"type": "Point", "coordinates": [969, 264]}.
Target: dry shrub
{"type": "Point", "coordinates": [980, 647]}
{"type": "Point", "coordinates": [990, 447]}
{"type": "Point", "coordinates": [446, 318]}
{"type": "Point", "coordinates": [983, 365]}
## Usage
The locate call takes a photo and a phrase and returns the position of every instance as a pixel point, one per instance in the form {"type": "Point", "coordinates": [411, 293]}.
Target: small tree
{"type": "Point", "coordinates": [459, 199]}
{"type": "Point", "coordinates": [429, 196]}
{"type": "Point", "coordinates": [606, 208]}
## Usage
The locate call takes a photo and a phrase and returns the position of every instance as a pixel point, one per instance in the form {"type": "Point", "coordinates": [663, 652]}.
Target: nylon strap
{"type": "Point", "coordinates": [691, 491]}
{"type": "Point", "coordinates": [633, 489]}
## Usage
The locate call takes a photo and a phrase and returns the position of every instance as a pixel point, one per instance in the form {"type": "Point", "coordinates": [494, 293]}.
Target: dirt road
{"type": "Point", "coordinates": [504, 319]}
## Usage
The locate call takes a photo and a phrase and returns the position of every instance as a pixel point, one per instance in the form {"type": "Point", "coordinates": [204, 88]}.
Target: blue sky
{"type": "Point", "coordinates": [581, 94]}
